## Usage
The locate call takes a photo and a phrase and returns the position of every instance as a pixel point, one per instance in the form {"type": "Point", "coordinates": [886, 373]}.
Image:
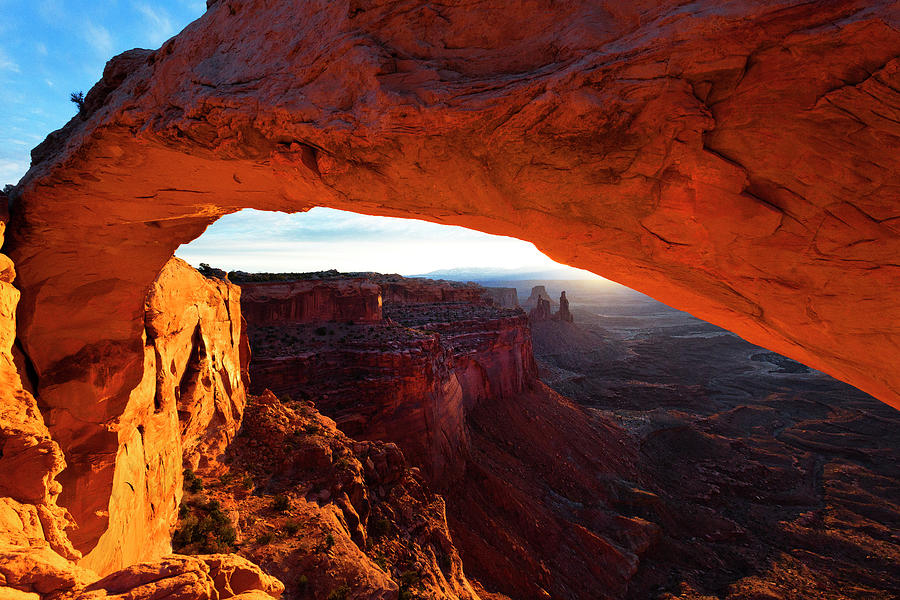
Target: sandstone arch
{"type": "Point", "coordinates": [737, 161]}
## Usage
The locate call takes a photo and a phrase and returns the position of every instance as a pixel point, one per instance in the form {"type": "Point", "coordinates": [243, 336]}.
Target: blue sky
{"type": "Point", "coordinates": [50, 48]}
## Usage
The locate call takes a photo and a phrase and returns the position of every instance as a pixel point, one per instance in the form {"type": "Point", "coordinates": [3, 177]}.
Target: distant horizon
{"type": "Point", "coordinates": [323, 238]}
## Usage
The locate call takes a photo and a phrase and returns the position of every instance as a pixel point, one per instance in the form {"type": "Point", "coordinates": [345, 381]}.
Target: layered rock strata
{"type": "Point", "coordinates": [311, 301]}
{"type": "Point", "coordinates": [455, 386]}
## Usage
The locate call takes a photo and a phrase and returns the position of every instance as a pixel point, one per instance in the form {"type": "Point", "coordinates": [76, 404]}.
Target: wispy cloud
{"type": "Point", "coordinates": [8, 64]}
{"type": "Point", "coordinates": [159, 24]}
{"type": "Point", "coordinates": [11, 170]}
{"type": "Point", "coordinates": [52, 11]}
{"type": "Point", "coordinates": [99, 38]}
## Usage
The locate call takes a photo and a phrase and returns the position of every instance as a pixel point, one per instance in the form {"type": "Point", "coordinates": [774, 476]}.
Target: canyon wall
{"type": "Point", "coordinates": [311, 301]}
{"type": "Point", "coordinates": [123, 484]}
{"type": "Point", "coordinates": [504, 297]}
{"type": "Point", "coordinates": [426, 291]}
{"type": "Point", "coordinates": [531, 482]}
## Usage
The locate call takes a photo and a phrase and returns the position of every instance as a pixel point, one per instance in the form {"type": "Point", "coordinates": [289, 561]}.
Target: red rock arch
{"type": "Point", "coordinates": [737, 161]}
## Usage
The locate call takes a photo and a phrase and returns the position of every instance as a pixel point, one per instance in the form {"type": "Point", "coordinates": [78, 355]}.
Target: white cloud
{"type": "Point", "coordinates": [8, 64]}
{"type": "Point", "coordinates": [11, 170]}
{"type": "Point", "coordinates": [41, 48]}
{"type": "Point", "coordinates": [99, 38]}
{"type": "Point", "coordinates": [159, 23]}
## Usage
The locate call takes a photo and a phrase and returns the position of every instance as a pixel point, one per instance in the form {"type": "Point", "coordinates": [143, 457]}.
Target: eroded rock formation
{"type": "Point", "coordinates": [564, 314]}
{"type": "Point", "coordinates": [310, 301]}
{"type": "Point", "coordinates": [355, 520]}
{"type": "Point", "coordinates": [504, 297]}
{"type": "Point", "coordinates": [123, 483]}
{"type": "Point", "coordinates": [735, 161]}
{"type": "Point", "coordinates": [539, 293]}
{"type": "Point", "coordinates": [455, 385]}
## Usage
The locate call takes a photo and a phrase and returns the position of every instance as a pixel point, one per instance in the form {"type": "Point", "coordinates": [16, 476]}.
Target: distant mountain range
{"type": "Point", "coordinates": [478, 274]}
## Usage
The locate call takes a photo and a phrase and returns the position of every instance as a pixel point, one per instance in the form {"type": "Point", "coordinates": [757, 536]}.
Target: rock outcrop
{"type": "Point", "coordinates": [542, 307]}
{"type": "Point", "coordinates": [564, 314]}
{"type": "Point", "coordinates": [504, 297]}
{"type": "Point", "coordinates": [330, 516]}
{"type": "Point", "coordinates": [35, 574]}
{"type": "Point", "coordinates": [123, 483]}
{"type": "Point", "coordinates": [541, 311]}
{"type": "Point", "coordinates": [538, 293]}
{"type": "Point", "coordinates": [639, 142]}
{"type": "Point", "coordinates": [310, 301]}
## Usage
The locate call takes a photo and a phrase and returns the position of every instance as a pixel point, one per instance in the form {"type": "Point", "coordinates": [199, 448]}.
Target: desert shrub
{"type": "Point", "coordinates": [381, 561]}
{"type": "Point", "coordinates": [378, 528]}
{"type": "Point", "coordinates": [339, 593]}
{"type": "Point", "coordinates": [203, 528]}
{"type": "Point", "coordinates": [281, 503]}
{"type": "Point", "coordinates": [291, 528]}
{"type": "Point", "coordinates": [265, 539]}
{"type": "Point", "coordinates": [321, 330]}
{"type": "Point", "coordinates": [192, 483]}
{"type": "Point", "coordinates": [77, 98]}
{"type": "Point", "coordinates": [408, 581]}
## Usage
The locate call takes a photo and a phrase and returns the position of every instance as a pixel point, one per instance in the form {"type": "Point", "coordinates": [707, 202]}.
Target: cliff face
{"type": "Point", "coordinates": [311, 301]}
{"type": "Point", "coordinates": [455, 386]}
{"type": "Point", "coordinates": [504, 297]}
{"type": "Point", "coordinates": [37, 556]}
{"type": "Point", "coordinates": [123, 483]}
{"type": "Point", "coordinates": [30, 460]}
{"type": "Point", "coordinates": [427, 291]}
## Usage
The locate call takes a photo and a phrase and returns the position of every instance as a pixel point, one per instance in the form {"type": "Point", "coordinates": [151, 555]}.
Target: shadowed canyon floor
{"type": "Point", "coordinates": [773, 480]}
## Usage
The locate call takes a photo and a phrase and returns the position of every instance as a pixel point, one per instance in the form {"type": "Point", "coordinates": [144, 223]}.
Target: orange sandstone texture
{"type": "Point", "coordinates": [735, 161]}
{"type": "Point", "coordinates": [310, 301]}
{"type": "Point", "coordinates": [123, 483]}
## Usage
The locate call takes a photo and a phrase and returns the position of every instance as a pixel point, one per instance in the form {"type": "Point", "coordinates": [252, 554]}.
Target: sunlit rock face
{"type": "Point", "coordinates": [30, 460]}
{"type": "Point", "coordinates": [310, 301]}
{"type": "Point", "coordinates": [123, 484]}
{"type": "Point", "coordinates": [736, 161]}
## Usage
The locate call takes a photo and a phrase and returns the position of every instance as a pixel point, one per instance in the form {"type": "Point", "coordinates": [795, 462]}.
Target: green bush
{"type": "Point", "coordinates": [192, 483]}
{"type": "Point", "coordinates": [378, 528]}
{"type": "Point", "coordinates": [408, 580]}
{"type": "Point", "coordinates": [265, 539]}
{"type": "Point", "coordinates": [339, 593]}
{"type": "Point", "coordinates": [204, 529]}
{"type": "Point", "coordinates": [281, 503]}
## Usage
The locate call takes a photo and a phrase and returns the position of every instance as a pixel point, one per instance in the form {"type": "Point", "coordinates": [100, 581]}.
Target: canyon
{"type": "Point", "coordinates": [735, 161]}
